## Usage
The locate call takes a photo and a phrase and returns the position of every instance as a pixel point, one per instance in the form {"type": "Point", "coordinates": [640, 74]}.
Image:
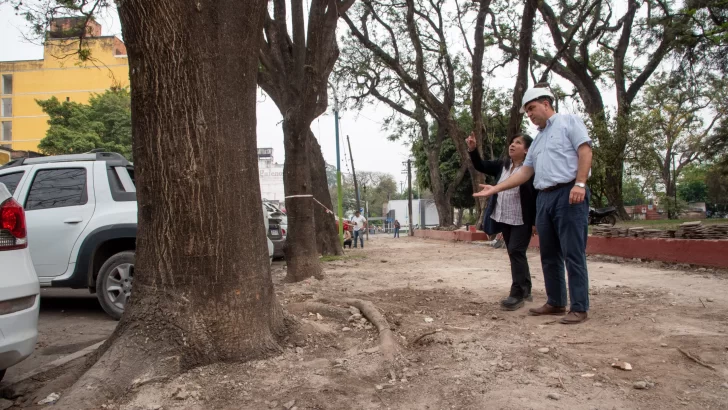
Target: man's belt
{"type": "Point", "coordinates": [558, 186]}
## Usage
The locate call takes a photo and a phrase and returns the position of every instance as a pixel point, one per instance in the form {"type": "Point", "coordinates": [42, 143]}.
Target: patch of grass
{"type": "Point", "coordinates": [333, 258]}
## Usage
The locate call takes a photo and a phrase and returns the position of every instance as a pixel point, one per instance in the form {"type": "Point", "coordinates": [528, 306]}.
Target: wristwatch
{"type": "Point", "coordinates": [580, 185]}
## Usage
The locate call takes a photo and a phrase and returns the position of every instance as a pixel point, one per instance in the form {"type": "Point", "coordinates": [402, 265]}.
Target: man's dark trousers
{"type": "Point", "coordinates": [562, 232]}
{"type": "Point", "coordinates": [359, 235]}
{"type": "Point", "coordinates": [517, 238]}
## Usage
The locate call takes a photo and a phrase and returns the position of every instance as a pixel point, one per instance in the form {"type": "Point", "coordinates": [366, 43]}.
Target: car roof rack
{"type": "Point", "coordinates": [113, 158]}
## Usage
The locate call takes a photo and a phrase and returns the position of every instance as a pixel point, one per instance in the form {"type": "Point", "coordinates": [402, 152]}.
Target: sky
{"type": "Point", "coordinates": [371, 149]}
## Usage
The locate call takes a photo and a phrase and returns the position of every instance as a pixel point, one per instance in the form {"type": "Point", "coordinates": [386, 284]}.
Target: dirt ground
{"type": "Point", "coordinates": [478, 356]}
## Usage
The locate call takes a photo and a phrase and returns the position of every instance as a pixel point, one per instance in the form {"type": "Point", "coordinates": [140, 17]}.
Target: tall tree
{"type": "Point", "coordinates": [677, 126]}
{"type": "Point", "coordinates": [408, 63]}
{"type": "Point", "coordinates": [495, 122]}
{"type": "Point", "coordinates": [525, 43]}
{"type": "Point", "coordinates": [294, 71]}
{"type": "Point", "coordinates": [327, 236]}
{"type": "Point", "coordinates": [105, 122]}
{"type": "Point", "coordinates": [588, 46]}
{"type": "Point", "coordinates": [202, 293]}
{"type": "Point", "coordinates": [717, 182]}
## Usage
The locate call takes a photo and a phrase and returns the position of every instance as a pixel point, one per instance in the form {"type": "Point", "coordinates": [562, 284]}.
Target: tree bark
{"type": "Point", "coordinates": [327, 237]}
{"type": "Point", "coordinates": [440, 196]}
{"type": "Point", "coordinates": [301, 254]}
{"type": "Point", "coordinates": [525, 42]}
{"type": "Point", "coordinates": [202, 292]}
{"type": "Point", "coordinates": [294, 69]}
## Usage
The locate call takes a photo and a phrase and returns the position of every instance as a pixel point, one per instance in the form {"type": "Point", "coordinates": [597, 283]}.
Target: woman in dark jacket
{"type": "Point", "coordinates": [512, 212]}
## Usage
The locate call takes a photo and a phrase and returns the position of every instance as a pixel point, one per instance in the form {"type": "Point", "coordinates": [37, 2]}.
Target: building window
{"type": "Point", "coordinates": [7, 131]}
{"type": "Point", "coordinates": [7, 107]}
{"type": "Point", "coordinates": [7, 84]}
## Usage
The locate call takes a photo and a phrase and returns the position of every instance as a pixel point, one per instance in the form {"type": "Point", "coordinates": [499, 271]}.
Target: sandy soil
{"type": "Point", "coordinates": [481, 357]}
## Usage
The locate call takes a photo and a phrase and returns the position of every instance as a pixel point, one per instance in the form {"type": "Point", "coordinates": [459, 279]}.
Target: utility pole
{"type": "Point", "coordinates": [674, 186]}
{"type": "Point", "coordinates": [340, 200]}
{"type": "Point", "coordinates": [353, 172]}
{"type": "Point", "coordinates": [366, 207]}
{"type": "Point", "coordinates": [409, 196]}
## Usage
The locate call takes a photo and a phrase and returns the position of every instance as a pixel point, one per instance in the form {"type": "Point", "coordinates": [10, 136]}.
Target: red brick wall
{"type": "Point", "coordinates": [690, 251]}
{"type": "Point", "coordinates": [65, 24]}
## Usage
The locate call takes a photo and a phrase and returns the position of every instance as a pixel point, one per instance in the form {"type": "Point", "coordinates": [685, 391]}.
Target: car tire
{"type": "Point", "coordinates": [113, 283]}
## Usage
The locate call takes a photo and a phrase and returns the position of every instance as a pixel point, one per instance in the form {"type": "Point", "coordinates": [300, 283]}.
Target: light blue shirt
{"type": "Point", "coordinates": [553, 153]}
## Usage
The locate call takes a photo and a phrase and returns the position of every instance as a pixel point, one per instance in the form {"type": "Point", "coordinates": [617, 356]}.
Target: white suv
{"type": "Point", "coordinates": [19, 291]}
{"type": "Point", "coordinates": [82, 220]}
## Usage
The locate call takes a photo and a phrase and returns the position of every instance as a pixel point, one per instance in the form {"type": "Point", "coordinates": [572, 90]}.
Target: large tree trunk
{"type": "Point", "coordinates": [301, 255]}
{"type": "Point", "coordinates": [442, 200]}
{"type": "Point", "coordinates": [327, 237]}
{"type": "Point", "coordinates": [476, 178]}
{"type": "Point", "coordinates": [202, 290]}
{"type": "Point", "coordinates": [614, 168]}
{"type": "Point", "coordinates": [525, 42]}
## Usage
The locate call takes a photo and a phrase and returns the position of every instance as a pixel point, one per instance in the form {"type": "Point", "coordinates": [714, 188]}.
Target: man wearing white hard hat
{"type": "Point", "coordinates": [560, 157]}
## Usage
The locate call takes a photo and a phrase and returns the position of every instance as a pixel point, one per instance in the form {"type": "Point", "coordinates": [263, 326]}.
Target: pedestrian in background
{"type": "Point", "coordinates": [360, 226]}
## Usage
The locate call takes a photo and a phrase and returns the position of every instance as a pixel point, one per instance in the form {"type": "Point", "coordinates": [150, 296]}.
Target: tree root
{"type": "Point", "coordinates": [321, 308]}
{"type": "Point", "coordinates": [424, 335]}
{"type": "Point", "coordinates": [387, 342]}
{"type": "Point", "coordinates": [154, 349]}
{"type": "Point", "coordinates": [124, 364]}
{"type": "Point", "coordinates": [696, 360]}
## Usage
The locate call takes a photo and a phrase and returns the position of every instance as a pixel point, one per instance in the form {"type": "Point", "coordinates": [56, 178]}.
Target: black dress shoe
{"type": "Point", "coordinates": [511, 303]}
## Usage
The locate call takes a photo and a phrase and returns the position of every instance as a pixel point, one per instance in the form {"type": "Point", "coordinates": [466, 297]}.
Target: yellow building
{"type": "Point", "coordinates": [61, 74]}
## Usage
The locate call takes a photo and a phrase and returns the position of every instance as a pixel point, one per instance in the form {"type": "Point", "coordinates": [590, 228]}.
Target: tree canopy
{"type": "Point", "coordinates": [103, 123]}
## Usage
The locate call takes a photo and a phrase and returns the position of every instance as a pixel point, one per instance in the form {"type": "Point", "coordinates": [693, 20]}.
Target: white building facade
{"type": "Point", "coordinates": [271, 177]}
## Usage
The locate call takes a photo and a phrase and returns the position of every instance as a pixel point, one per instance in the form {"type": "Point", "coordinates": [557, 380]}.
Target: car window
{"type": "Point", "coordinates": [56, 188]}
{"type": "Point", "coordinates": [11, 180]}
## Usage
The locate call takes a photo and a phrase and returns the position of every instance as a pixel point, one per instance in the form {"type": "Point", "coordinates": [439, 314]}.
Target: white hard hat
{"type": "Point", "coordinates": [534, 93]}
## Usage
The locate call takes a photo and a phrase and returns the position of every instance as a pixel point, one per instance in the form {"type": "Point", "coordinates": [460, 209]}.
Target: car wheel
{"type": "Point", "coordinates": [113, 284]}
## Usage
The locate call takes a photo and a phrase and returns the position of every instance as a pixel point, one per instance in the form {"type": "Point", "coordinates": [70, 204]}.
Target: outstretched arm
{"type": "Point", "coordinates": [519, 178]}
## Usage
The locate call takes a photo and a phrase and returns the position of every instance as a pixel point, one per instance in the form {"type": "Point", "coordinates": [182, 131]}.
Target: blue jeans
{"type": "Point", "coordinates": [359, 236]}
{"type": "Point", "coordinates": [562, 232]}
{"type": "Point", "coordinates": [396, 232]}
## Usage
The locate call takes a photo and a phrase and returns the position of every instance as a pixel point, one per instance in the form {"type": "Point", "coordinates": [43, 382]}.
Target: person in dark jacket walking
{"type": "Point", "coordinates": [512, 213]}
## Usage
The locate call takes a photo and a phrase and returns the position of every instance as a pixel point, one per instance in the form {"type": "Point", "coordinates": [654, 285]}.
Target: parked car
{"type": "Point", "coordinates": [275, 212]}
{"type": "Point", "coordinates": [81, 215]}
{"type": "Point", "coordinates": [271, 247]}
{"type": "Point", "coordinates": [275, 235]}
{"type": "Point", "coordinates": [19, 289]}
